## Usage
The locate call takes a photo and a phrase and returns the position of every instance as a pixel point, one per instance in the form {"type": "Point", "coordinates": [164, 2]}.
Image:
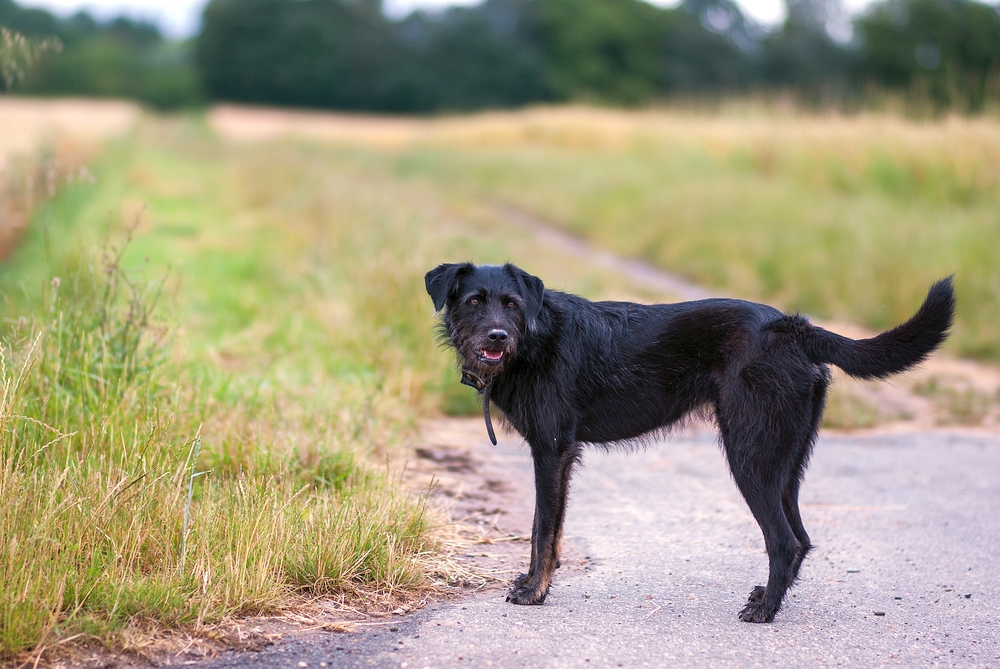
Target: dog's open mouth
{"type": "Point", "coordinates": [490, 356]}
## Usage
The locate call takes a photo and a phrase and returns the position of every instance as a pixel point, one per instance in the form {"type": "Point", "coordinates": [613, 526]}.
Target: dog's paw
{"type": "Point", "coordinates": [755, 612]}
{"type": "Point", "coordinates": [525, 594]}
{"type": "Point", "coordinates": [757, 594]}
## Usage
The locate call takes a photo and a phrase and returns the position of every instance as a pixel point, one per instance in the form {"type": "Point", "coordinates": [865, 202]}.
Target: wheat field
{"type": "Point", "coordinates": [844, 217]}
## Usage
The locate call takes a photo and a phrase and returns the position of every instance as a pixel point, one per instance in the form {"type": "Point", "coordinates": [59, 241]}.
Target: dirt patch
{"type": "Point", "coordinates": [143, 646]}
{"type": "Point", "coordinates": [485, 496]}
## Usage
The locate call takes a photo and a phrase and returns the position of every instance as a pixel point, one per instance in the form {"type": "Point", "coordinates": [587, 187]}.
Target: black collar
{"type": "Point", "coordinates": [470, 378]}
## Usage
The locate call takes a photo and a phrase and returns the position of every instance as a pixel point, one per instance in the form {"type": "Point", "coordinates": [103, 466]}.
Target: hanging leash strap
{"type": "Point", "coordinates": [470, 378]}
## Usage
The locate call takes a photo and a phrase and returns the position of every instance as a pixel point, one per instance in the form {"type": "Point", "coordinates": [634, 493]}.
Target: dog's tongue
{"type": "Point", "coordinates": [493, 355]}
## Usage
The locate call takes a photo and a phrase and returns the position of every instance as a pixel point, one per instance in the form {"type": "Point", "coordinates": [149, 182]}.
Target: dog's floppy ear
{"type": "Point", "coordinates": [532, 290]}
{"type": "Point", "coordinates": [442, 281]}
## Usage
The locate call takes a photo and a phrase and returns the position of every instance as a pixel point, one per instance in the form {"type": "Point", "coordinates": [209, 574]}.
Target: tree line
{"type": "Point", "coordinates": [117, 58]}
{"type": "Point", "coordinates": [346, 54]}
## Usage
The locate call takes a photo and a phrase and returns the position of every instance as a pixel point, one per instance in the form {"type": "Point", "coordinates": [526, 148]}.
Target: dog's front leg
{"type": "Point", "coordinates": [524, 578]}
{"type": "Point", "coordinates": [553, 468]}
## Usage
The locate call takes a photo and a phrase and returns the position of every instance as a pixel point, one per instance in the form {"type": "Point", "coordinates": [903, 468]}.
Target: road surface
{"type": "Point", "coordinates": [660, 553]}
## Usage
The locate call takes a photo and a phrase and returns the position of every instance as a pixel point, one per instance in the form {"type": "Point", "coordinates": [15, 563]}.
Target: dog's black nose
{"type": "Point", "coordinates": [497, 336]}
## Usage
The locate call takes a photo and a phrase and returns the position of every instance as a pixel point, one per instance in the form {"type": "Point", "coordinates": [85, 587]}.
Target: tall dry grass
{"type": "Point", "coordinates": [140, 489]}
{"type": "Point", "coordinates": [293, 349]}
{"type": "Point", "coordinates": [26, 124]}
{"type": "Point", "coordinates": [45, 144]}
{"type": "Point", "coordinates": [847, 217]}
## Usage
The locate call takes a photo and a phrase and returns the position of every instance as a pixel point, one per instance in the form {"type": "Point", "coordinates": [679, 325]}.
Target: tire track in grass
{"type": "Point", "coordinates": [642, 274]}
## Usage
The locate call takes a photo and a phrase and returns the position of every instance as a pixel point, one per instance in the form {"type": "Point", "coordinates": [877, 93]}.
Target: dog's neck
{"type": "Point", "coordinates": [473, 379]}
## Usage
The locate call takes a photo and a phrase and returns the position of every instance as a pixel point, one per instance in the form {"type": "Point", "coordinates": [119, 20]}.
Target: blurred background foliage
{"type": "Point", "coordinates": [120, 58]}
{"type": "Point", "coordinates": [933, 55]}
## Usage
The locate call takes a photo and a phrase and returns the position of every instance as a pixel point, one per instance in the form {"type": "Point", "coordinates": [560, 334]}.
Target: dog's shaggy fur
{"type": "Point", "coordinates": [566, 371]}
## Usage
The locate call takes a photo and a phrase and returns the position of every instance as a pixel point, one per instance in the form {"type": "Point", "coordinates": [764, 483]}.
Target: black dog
{"type": "Point", "coordinates": [566, 371]}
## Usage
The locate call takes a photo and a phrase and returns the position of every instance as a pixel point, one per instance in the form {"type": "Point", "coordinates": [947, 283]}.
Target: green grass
{"type": "Point", "coordinates": [288, 352]}
{"type": "Point", "coordinates": [102, 445]}
{"type": "Point", "coordinates": [845, 218]}
{"type": "Point", "coordinates": [267, 377]}
{"type": "Point", "coordinates": [263, 344]}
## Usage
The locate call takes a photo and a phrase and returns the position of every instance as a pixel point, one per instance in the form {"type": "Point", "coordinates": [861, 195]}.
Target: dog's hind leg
{"type": "Point", "coordinates": [782, 547]}
{"type": "Point", "coordinates": [553, 471]}
{"type": "Point", "coordinates": [761, 455]}
{"type": "Point", "coordinates": [790, 506]}
{"type": "Point", "coordinates": [790, 496]}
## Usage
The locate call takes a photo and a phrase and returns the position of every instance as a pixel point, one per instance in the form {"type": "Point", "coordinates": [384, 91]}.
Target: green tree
{"type": "Point", "coordinates": [708, 45]}
{"type": "Point", "coordinates": [318, 53]}
{"type": "Point", "coordinates": [121, 58]}
{"type": "Point", "coordinates": [606, 50]}
{"type": "Point", "coordinates": [481, 56]}
{"type": "Point", "coordinates": [947, 49]}
{"type": "Point", "coordinates": [348, 55]}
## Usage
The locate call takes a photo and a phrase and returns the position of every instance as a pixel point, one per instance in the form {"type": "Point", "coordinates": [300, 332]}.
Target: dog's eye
{"type": "Point", "coordinates": [511, 304]}
{"type": "Point", "coordinates": [474, 301]}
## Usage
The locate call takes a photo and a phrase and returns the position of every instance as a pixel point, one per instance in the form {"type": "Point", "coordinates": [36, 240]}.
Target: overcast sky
{"type": "Point", "coordinates": [180, 18]}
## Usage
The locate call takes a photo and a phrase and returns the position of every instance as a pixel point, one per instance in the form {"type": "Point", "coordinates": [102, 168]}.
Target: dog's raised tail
{"type": "Point", "coordinates": [892, 351]}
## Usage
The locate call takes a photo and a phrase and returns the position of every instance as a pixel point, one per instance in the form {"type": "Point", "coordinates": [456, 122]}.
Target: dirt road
{"type": "Point", "coordinates": [660, 552]}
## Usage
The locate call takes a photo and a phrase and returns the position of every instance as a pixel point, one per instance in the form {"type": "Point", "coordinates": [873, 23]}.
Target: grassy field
{"type": "Point", "coordinates": [44, 143]}
{"type": "Point", "coordinates": [207, 421]}
{"type": "Point", "coordinates": [179, 451]}
{"type": "Point", "coordinates": [199, 423]}
{"type": "Point", "coordinates": [849, 218]}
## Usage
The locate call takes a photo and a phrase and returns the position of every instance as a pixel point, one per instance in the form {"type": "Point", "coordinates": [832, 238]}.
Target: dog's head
{"type": "Point", "coordinates": [488, 311]}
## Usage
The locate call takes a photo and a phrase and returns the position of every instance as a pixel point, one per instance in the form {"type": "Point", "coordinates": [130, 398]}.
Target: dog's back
{"type": "Point", "coordinates": [661, 361]}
